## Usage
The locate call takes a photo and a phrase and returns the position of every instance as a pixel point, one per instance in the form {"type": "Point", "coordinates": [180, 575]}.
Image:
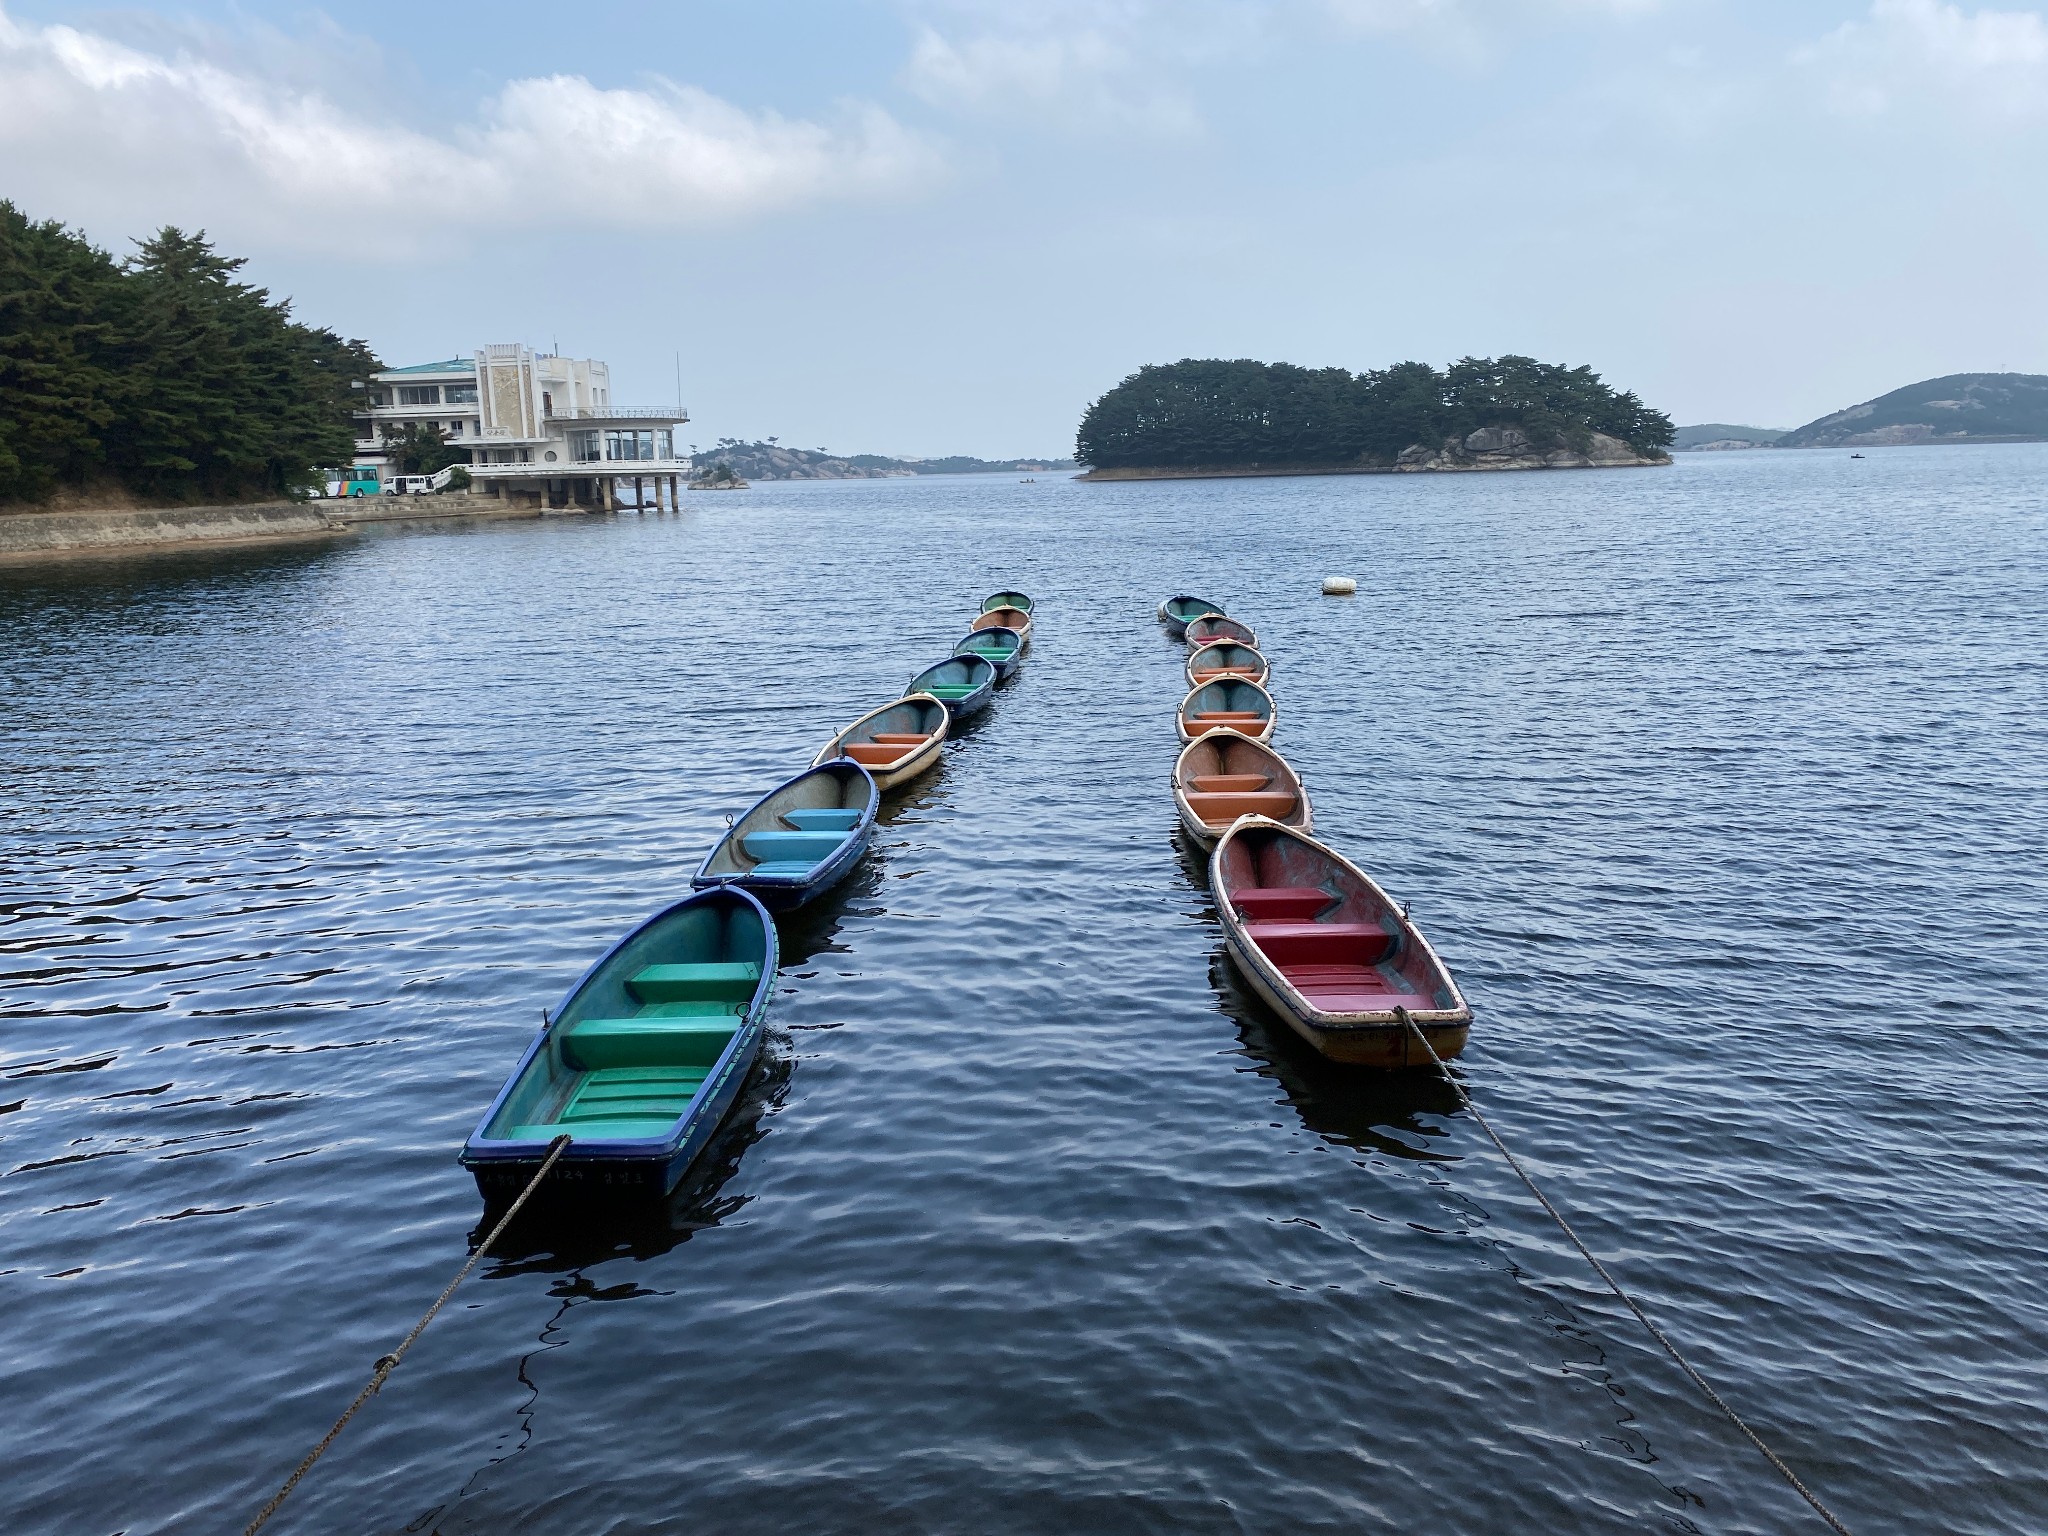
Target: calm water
{"type": "Point", "coordinates": [1720, 788]}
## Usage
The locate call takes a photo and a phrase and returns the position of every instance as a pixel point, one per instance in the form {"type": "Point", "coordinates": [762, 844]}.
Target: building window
{"type": "Point", "coordinates": [664, 447]}
{"type": "Point", "coordinates": [455, 428]}
{"type": "Point", "coordinates": [584, 445]}
{"type": "Point", "coordinates": [379, 398]}
{"type": "Point", "coordinates": [459, 394]}
{"type": "Point", "coordinates": [419, 394]}
{"type": "Point", "coordinates": [547, 408]}
{"type": "Point", "coordinates": [629, 445]}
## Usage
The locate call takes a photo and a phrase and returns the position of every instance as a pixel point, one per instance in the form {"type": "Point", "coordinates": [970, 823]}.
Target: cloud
{"type": "Point", "coordinates": [96, 131]}
{"type": "Point", "coordinates": [1912, 52]}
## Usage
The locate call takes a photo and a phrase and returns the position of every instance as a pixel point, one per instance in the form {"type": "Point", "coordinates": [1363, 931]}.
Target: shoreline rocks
{"type": "Point", "coordinates": [1496, 448]}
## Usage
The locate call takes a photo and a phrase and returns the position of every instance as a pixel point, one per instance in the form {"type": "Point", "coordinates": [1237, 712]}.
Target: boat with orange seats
{"type": "Point", "coordinates": [895, 743]}
{"type": "Point", "coordinates": [1228, 704]}
{"type": "Point", "coordinates": [1217, 626]}
{"type": "Point", "coordinates": [1006, 618]}
{"type": "Point", "coordinates": [1222, 776]}
{"type": "Point", "coordinates": [1226, 658]}
{"type": "Point", "coordinates": [1329, 951]}
{"type": "Point", "coordinates": [1176, 612]}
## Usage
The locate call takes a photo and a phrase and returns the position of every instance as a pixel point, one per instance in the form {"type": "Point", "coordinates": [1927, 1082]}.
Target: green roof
{"type": "Point", "coordinates": [453, 365]}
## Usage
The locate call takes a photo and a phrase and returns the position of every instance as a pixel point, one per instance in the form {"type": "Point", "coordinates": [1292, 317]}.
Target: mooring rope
{"type": "Point", "coordinates": [386, 1364]}
{"type": "Point", "coordinates": [1629, 1301]}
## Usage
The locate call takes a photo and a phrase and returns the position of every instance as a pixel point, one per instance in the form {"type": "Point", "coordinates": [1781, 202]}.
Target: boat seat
{"type": "Point", "coordinates": [806, 848]}
{"type": "Point", "coordinates": [1287, 942]}
{"type": "Point", "coordinates": [869, 756]}
{"type": "Point", "coordinates": [784, 868]}
{"type": "Point", "coordinates": [622, 1102]}
{"type": "Point", "coordinates": [900, 738]}
{"type": "Point", "coordinates": [1223, 809]}
{"type": "Point", "coordinates": [597, 1045]}
{"type": "Point", "coordinates": [1353, 989]}
{"type": "Point", "coordinates": [949, 691]}
{"type": "Point", "coordinates": [1280, 901]}
{"type": "Point", "coordinates": [1230, 714]}
{"type": "Point", "coordinates": [1228, 783]}
{"type": "Point", "coordinates": [1210, 674]}
{"type": "Point", "coordinates": [823, 820]}
{"type": "Point", "coordinates": [704, 981]}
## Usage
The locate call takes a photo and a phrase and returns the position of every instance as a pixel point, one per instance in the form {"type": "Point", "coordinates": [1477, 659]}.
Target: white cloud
{"type": "Point", "coordinates": [1926, 51]}
{"type": "Point", "coordinates": [93, 131]}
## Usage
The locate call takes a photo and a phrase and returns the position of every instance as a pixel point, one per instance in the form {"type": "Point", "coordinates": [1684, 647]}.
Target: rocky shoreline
{"type": "Point", "coordinates": [1489, 448]}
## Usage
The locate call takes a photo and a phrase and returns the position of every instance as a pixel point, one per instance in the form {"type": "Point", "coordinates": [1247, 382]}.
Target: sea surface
{"type": "Point", "coordinates": [1723, 790]}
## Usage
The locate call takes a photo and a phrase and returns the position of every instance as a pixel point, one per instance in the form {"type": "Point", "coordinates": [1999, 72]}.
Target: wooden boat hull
{"type": "Point", "coordinates": [1178, 611]}
{"type": "Point", "coordinates": [1216, 626]}
{"type": "Point", "coordinates": [1221, 776]}
{"type": "Point", "coordinates": [997, 644]}
{"type": "Point", "coordinates": [772, 855]}
{"type": "Point", "coordinates": [1017, 600]}
{"type": "Point", "coordinates": [891, 764]}
{"type": "Point", "coordinates": [1007, 618]}
{"type": "Point", "coordinates": [578, 1076]}
{"type": "Point", "coordinates": [1233, 704]}
{"type": "Point", "coordinates": [1323, 946]}
{"type": "Point", "coordinates": [1225, 658]}
{"type": "Point", "coordinates": [964, 684]}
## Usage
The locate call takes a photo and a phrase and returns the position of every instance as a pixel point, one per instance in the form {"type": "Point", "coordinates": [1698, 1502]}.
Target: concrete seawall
{"type": "Point", "coordinates": [26, 536]}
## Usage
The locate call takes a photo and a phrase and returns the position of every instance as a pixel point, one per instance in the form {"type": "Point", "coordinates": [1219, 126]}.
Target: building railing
{"type": "Point", "coordinates": [624, 413]}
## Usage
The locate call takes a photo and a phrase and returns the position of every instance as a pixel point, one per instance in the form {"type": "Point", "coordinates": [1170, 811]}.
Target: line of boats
{"type": "Point", "coordinates": [648, 1051]}
{"type": "Point", "coordinates": [1312, 934]}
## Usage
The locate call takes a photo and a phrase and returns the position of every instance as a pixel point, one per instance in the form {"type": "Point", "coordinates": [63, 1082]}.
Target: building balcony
{"type": "Point", "coordinates": [580, 469]}
{"type": "Point", "coordinates": [675, 413]}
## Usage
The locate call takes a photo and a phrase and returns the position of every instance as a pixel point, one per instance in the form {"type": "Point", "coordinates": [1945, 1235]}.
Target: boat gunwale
{"type": "Point", "coordinates": [480, 1149]}
{"type": "Point", "coordinates": [1365, 1021]}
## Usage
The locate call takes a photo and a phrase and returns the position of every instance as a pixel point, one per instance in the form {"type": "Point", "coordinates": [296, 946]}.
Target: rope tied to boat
{"type": "Point", "coordinates": [386, 1364]}
{"type": "Point", "coordinates": [1613, 1285]}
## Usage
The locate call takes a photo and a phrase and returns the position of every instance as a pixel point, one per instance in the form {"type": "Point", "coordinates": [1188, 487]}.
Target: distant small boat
{"type": "Point", "coordinates": [1855, 455]}
{"type": "Point", "coordinates": [1225, 658]}
{"type": "Point", "coordinates": [800, 839]}
{"type": "Point", "coordinates": [895, 743]}
{"type": "Point", "coordinates": [1222, 776]}
{"type": "Point", "coordinates": [1176, 612]}
{"type": "Point", "coordinates": [963, 684]}
{"type": "Point", "coordinates": [1328, 950]}
{"type": "Point", "coordinates": [1000, 645]}
{"type": "Point", "coordinates": [1017, 600]}
{"type": "Point", "coordinates": [1229, 704]}
{"type": "Point", "coordinates": [1006, 618]}
{"type": "Point", "coordinates": [641, 1061]}
{"type": "Point", "coordinates": [1214, 626]}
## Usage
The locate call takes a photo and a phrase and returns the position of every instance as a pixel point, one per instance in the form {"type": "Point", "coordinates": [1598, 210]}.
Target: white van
{"type": "Point", "coordinates": [409, 485]}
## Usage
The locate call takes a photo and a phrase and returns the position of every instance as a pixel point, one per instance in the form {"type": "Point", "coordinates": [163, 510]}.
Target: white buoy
{"type": "Point", "coordinates": [1339, 586]}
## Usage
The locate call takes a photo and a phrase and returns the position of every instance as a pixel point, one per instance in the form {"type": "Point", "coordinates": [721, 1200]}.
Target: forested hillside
{"type": "Point", "coordinates": [1956, 408]}
{"type": "Point", "coordinates": [164, 374]}
{"type": "Point", "coordinates": [1210, 412]}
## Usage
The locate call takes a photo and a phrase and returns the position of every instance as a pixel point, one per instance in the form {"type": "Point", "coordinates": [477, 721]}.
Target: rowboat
{"type": "Point", "coordinates": [1329, 951]}
{"type": "Point", "coordinates": [1001, 646]}
{"type": "Point", "coordinates": [798, 840]}
{"type": "Point", "coordinates": [1225, 658]}
{"type": "Point", "coordinates": [642, 1059]}
{"type": "Point", "coordinates": [1222, 776]}
{"type": "Point", "coordinates": [1175, 612]}
{"type": "Point", "coordinates": [1214, 626]}
{"type": "Point", "coordinates": [962, 683]}
{"type": "Point", "coordinates": [1228, 704]}
{"type": "Point", "coordinates": [995, 600]}
{"type": "Point", "coordinates": [895, 743]}
{"type": "Point", "coordinates": [1006, 618]}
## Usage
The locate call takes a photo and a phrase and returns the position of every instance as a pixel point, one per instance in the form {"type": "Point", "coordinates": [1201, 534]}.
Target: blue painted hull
{"type": "Point", "coordinates": [781, 893]}
{"type": "Point", "coordinates": [786, 890]}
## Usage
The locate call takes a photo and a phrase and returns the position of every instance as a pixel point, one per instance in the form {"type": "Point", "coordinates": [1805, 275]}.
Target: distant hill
{"type": "Point", "coordinates": [771, 461]}
{"type": "Point", "coordinates": [1720, 434]}
{"type": "Point", "coordinates": [1957, 408]}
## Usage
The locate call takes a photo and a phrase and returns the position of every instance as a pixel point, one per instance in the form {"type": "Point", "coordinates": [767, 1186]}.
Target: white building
{"type": "Point", "coordinates": [534, 427]}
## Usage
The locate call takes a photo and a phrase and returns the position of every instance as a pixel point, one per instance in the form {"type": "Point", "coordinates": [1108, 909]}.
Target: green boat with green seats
{"type": "Point", "coordinates": [962, 683]}
{"type": "Point", "coordinates": [642, 1060]}
{"type": "Point", "coordinates": [1003, 647]}
{"type": "Point", "coordinates": [1016, 600]}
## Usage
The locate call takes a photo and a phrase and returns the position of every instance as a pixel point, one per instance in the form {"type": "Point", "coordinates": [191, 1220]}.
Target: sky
{"type": "Point", "coordinates": [945, 226]}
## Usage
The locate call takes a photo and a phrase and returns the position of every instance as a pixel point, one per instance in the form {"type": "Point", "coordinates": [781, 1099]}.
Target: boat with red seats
{"type": "Point", "coordinates": [1228, 704]}
{"type": "Point", "coordinates": [1329, 951]}
{"type": "Point", "coordinates": [1225, 658]}
{"type": "Point", "coordinates": [1222, 776]}
{"type": "Point", "coordinates": [1215, 626]}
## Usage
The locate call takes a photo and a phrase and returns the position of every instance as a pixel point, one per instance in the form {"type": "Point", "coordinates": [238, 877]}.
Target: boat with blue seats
{"type": "Point", "coordinates": [964, 684]}
{"type": "Point", "coordinates": [800, 839]}
{"type": "Point", "coordinates": [1002, 646]}
{"type": "Point", "coordinates": [895, 743]}
{"type": "Point", "coordinates": [995, 600]}
{"type": "Point", "coordinates": [1228, 704]}
{"type": "Point", "coordinates": [642, 1059]}
{"type": "Point", "coordinates": [1176, 613]}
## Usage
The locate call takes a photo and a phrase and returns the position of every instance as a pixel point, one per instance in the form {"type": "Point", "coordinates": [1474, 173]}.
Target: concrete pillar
{"type": "Point", "coordinates": [610, 490]}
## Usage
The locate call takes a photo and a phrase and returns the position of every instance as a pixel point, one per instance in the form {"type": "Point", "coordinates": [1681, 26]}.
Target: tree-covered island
{"type": "Point", "coordinates": [1211, 416]}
